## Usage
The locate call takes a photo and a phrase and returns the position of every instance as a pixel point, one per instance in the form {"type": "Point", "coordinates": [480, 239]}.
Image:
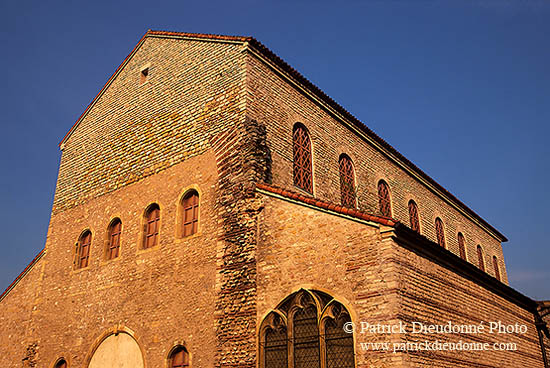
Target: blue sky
{"type": "Point", "coordinates": [462, 88]}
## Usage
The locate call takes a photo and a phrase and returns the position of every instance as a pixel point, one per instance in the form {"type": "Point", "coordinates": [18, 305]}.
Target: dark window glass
{"type": "Point", "coordinates": [413, 216]}
{"type": "Point", "coordinates": [303, 177]}
{"type": "Point", "coordinates": [190, 206]}
{"type": "Point", "coordinates": [276, 348]}
{"type": "Point", "coordinates": [152, 218]}
{"type": "Point", "coordinates": [339, 344]}
{"type": "Point", "coordinates": [306, 339]}
{"type": "Point", "coordinates": [384, 198]}
{"type": "Point", "coordinates": [61, 364]}
{"type": "Point", "coordinates": [347, 181]}
{"type": "Point", "coordinates": [439, 232]}
{"type": "Point", "coordinates": [179, 358]}
{"type": "Point", "coordinates": [114, 239]}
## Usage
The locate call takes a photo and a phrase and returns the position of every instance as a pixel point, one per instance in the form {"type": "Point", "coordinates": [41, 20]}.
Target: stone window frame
{"type": "Point", "coordinates": [384, 198]}
{"type": "Point", "coordinates": [144, 227]}
{"type": "Point", "coordinates": [440, 232]}
{"type": "Point", "coordinates": [175, 348]}
{"type": "Point", "coordinates": [278, 319]}
{"type": "Point", "coordinates": [463, 247]}
{"type": "Point", "coordinates": [480, 258]}
{"type": "Point", "coordinates": [108, 235]}
{"type": "Point", "coordinates": [77, 254]}
{"type": "Point", "coordinates": [180, 213]}
{"type": "Point", "coordinates": [496, 268]}
{"type": "Point", "coordinates": [301, 171]}
{"type": "Point", "coordinates": [348, 191]}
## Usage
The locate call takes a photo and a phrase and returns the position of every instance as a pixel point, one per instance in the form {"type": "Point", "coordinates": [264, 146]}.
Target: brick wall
{"type": "Point", "coordinates": [273, 101]}
{"type": "Point", "coordinates": [380, 281]}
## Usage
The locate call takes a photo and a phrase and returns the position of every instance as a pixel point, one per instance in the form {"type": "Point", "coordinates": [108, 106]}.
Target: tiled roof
{"type": "Point", "coordinates": [315, 90]}
{"type": "Point", "coordinates": [388, 221]}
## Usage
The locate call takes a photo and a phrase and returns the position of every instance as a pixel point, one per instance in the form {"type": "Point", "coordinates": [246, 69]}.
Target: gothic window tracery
{"type": "Point", "coordinates": [347, 181]}
{"type": "Point", "coordinates": [302, 167]}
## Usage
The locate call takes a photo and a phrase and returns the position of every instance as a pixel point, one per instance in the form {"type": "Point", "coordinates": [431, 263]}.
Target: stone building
{"type": "Point", "coordinates": [214, 208]}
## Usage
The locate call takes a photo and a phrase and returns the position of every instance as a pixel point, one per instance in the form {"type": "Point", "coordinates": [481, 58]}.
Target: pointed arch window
{"type": "Point", "coordinates": [83, 249]}
{"type": "Point", "coordinates": [190, 213]}
{"type": "Point", "coordinates": [384, 200]}
{"type": "Point", "coordinates": [480, 262]}
{"type": "Point", "coordinates": [462, 246]}
{"type": "Point", "coordinates": [347, 181]}
{"type": "Point", "coordinates": [302, 167]}
{"type": "Point", "coordinates": [115, 229]}
{"type": "Point", "coordinates": [495, 266]}
{"type": "Point", "coordinates": [62, 363]}
{"type": "Point", "coordinates": [413, 216]}
{"type": "Point", "coordinates": [308, 326]}
{"type": "Point", "coordinates": [440, 232]}
{"type": "Point", "coordinates": [152, 226]}
{"type": "Point", "coordinates": [179, 358]}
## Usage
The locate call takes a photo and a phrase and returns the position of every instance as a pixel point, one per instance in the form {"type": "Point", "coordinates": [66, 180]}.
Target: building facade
{"type": "Point", "coordinates": [215, 208]}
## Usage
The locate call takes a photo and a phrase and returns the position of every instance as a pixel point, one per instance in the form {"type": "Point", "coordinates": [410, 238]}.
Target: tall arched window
{"type": "Point", "coordinates": [384, 198]}
{"type": "Point", "coordinates": [83, 249]}
{"type": "Point", "coordinates": [190, 213]}
{"type": "Point", "coordinates": [495, 265]}
{"type": "Point", "coordinates": [462, 246]}
{"type": "Point", "coordinates": [308, 326]}
{"type": "Point", "coordinates": [62, 363]}
{"type": "Point", "coordinates": [480, 262]}
{"type": "Point", "coordinates": [439, 232]}
{"type": "Point", "coordinates": [413, 216]}
{"type": "Point", "coordinates": [347, 181]}
{"type": "Point", "coordinates": [303, 171]}
{"type": "Point", "coordinates": [179, 358]}
{"type": "Point", "coordinates": [113, 243]}
{"type": "Point", "coordinates": [152, 225]}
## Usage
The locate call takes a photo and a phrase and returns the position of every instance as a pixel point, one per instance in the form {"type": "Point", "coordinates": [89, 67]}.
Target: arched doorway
{"type": "Point", "coordinates": [118, 350]}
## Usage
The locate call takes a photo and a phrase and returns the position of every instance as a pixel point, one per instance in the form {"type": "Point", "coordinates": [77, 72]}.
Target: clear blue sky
{"type": "Point", "coordinates": [462, 88]}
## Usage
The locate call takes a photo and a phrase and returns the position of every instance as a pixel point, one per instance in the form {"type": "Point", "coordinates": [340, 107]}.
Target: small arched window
{"type": "Point", "coordinates": [179, 358]}
{"type": "Point", "coordinates": [462, 246]}
{"type": "Point", "coordinates": [495, 265]}
{"type": "Point", "coordinates": [113, 243]}
{"type": "Point", "coordinates": [439, 232]}
{"type": "Point", "coordinates": [413, 216]}
{"type": "Point", "coordinates": [190, 213]}
{"type": "Point", "coordinates": [152, 225]}
{"type": "Point", "coordinates": [303, 172]}
{"type": "Point", "coordinates": [347, 181]}
{"type": "Point", "coordinates": [384, 198]}
{"type": "Point", "coordinates": [480, 262]}
{"type": "Point", "coordinates": [82, 254]}
{"type": "Point", "coordinates": [61, 363]}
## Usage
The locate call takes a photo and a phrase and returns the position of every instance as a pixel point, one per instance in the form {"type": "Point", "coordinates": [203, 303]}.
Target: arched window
{"type": "Point", "coordinates": [413, 216]}
{"type": "Point", "coordinates": [462, 246]}
{"type": "Point", "coordinates": [179, 358]}
{"type": "Point", "coordinates": [495, 265]}
{"type": "Point", "coordinates": [303, 172]}
{"type": "Point", "coordinates": [439, 232]}
{"type": "Point", "coordinates": [347, 181]}
{"type": "Point", "coordinates": [315, 336]}
{"type": "Point", "coordinates": [480, 262]}
{"type": "Point", "coordinates": [190, 213]}
{"type": "Point", "coordinates": [384, 198]}
{"type": "Point", "coordinates": [62, 363]}
{"type": "Point", "coordinates": [83, 249]}
{"type": "Point", "coordinates": [113, 243]}
{"type": "Point", "coordinates": [152, 224]}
